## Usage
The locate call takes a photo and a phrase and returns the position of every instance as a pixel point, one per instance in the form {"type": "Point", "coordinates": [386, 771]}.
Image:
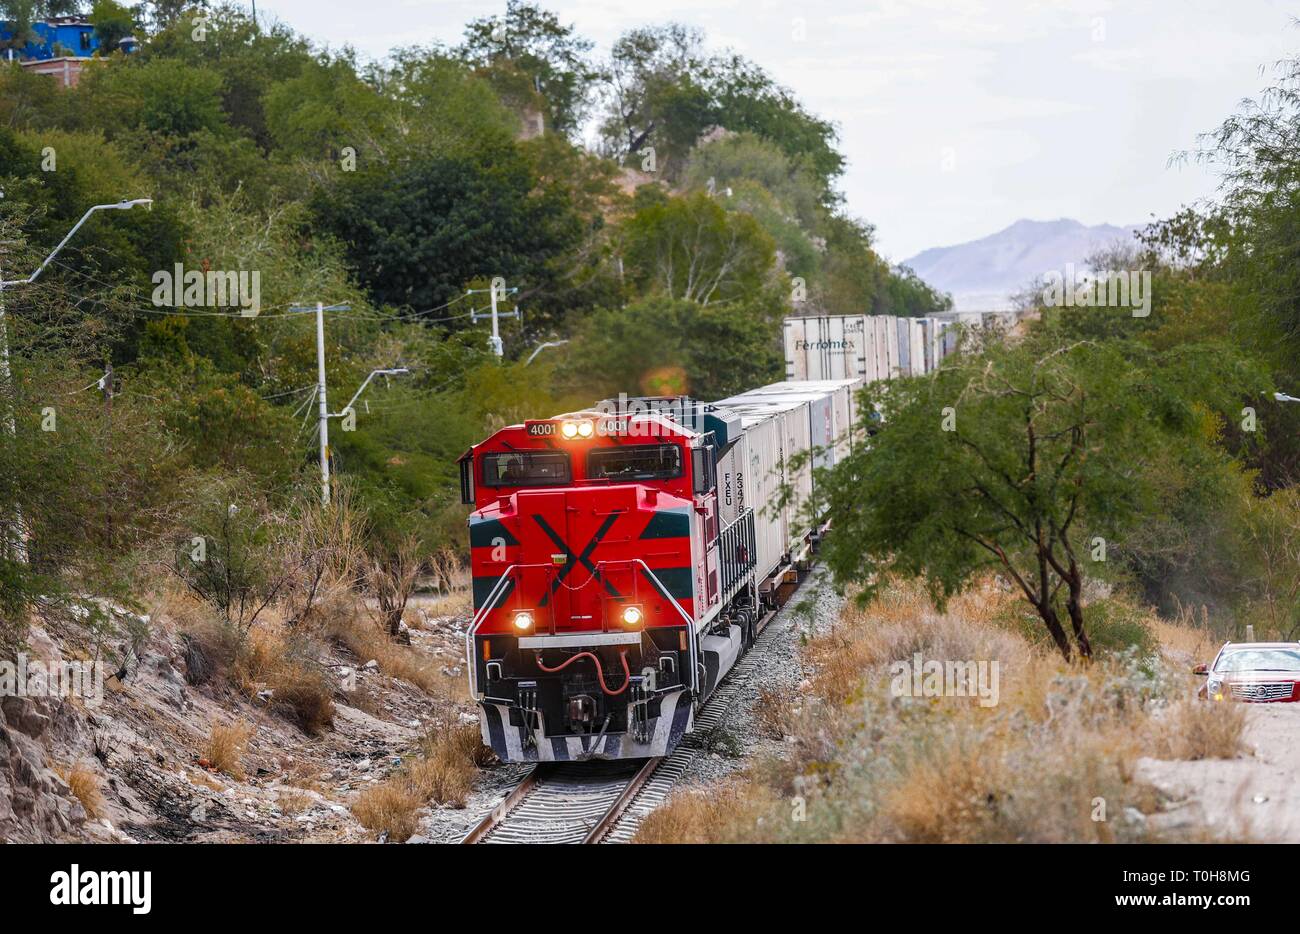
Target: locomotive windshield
{"type": "Point", "coordinates": [636, 462]}
{"type": "Point", "coordinates": [526, 468]}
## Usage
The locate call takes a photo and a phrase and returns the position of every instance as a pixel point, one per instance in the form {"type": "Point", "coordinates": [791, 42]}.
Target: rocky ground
{"type": "Point", "coordinates": [143, 745]}
{"type": "Point", "coordinates": [744, 734]}
{"type": "Point", "coordinates": [1252, 797]}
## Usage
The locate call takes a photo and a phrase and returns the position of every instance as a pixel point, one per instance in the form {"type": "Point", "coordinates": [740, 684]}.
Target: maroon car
{"type": "Point", "coordinates": [1255, 672]}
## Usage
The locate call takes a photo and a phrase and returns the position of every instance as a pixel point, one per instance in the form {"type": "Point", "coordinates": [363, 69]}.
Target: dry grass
{"type": "Point", "coordinates": [367, 641]}
{"type": "Point", "coordinates": [726, 813]}
{"type": "Point", "coordinates": [444, 774]}
{"type": "Point", "coordinates": [452, 580]}
{"type": "Point", "coordinates": [389, 807]}
{"type": "Point", "coordinates": [294, 802]}
{"type": "Point", "coordinates": [85, 788]}
{"type": "Point", "coordinates": [207, 781]}
{"type": "Point", "coordinates": [1186, 644]}
{"type": "Point", "coordinates": [867, 766]}
{"type": "Point", "coordinates": [226, 746]}
{"type": "Point", "coordinates": [1195, 729]}
{"type": "Point", "coordinates": [774, 710]}
{"type": "Point", "coordinates": [270, 659]}
{"type": "Point", "coordinates": [452, 753]}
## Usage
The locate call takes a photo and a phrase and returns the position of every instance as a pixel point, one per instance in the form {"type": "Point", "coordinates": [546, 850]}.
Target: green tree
{"type": "Point", "coordinates": [1026, 458]}
{"type": "Point", "coordinates": [694, 249]}
{"type": "Point", "coordinates": [247, 58]}
{"type": "Point", "coordinates": [662, 89]}
{"type": "Point", "coordinates": [113, 23]}
{"type": "Point", "coordinates": [652, 96]}
{"type": "Point", "coordinates": [324, 109]}
{"type": "Point", "coordinates": [665, 346]}
{"type": "Point", "coordinates": [529, 52]}
{"type": "Point", "coordinates": [418, 233]}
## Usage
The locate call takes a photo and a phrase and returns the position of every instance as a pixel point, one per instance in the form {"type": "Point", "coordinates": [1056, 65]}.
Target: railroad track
{"type": "Point", "coordinates": [605, 801]}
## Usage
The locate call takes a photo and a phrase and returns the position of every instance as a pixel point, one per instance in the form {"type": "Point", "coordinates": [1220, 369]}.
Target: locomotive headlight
{"type": "Point", "coordinates": [523, 620]}
{"type": "Point", "coordinates": [584, 429]}
{"type": "Point", "coordinates": [632, 615]}
{"type": "Point", "coordinates": [569, 430]}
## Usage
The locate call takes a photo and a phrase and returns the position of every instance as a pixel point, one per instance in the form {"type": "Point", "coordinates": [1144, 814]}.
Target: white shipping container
{"type": "Point", "coordinates": [891, 347]}
{"type": "Point", "coordinates": [880, 329]}
{"type": "Point", "coordinates": [869, 347]}
{"type": "Point", "coordinates": [917, 334]}
{"type": "Point", "coordinates": [824, 347]}
{"type": "Point", "coordinates": [840, 396]}
{"type": "Point", "coordinates": [780, 422]}
{"type": "Point", "coordinates": [731, 491]}
{"type": "Point", "coordinates": [797, 443]}
{"type": "Point", "coordinates": [762, 483]}
{"type": "Point", "coordinates": [903, 329]}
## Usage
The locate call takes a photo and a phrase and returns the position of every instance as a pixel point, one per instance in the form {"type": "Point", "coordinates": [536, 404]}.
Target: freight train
{"type": "Point", "coordinates": [624, 556]}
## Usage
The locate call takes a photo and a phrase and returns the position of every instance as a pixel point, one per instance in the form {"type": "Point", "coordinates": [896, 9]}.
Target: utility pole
{"type": "Point", "coordinates": [498, 287]}
{"type": "Point", "coordinates": [323, 409]}
{"type": "Point", "coordinates": [323, 417]}
{"type": "Point", "coordinates": [13, 540]}
{"type": "Point", "coordinates": [106, 384]}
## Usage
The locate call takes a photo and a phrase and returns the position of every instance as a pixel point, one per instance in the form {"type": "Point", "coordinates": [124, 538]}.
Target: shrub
{"type": "Point", "coordinates": [864, 765]}
{"type": "Point", "coordinates": [732, 812]}
{"type": "Point", "coordinates": [226, 746]}
{"type": "Point", "coordinates": [1195, 729]}
{"type": "Point", "coordinates": [388, 807]}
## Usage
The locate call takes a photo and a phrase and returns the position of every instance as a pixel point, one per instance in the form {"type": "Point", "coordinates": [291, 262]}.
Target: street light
{"type": "Point", "coordinates": [117, 206]}
{"type": "Point", "coordinates": [542, 346]}
{"type": "Point", "coordinates": [1283, 397]}
{"type": "Point", "coordinates": [6, 375]}
{"type": "Point", "coordinates": [397, 371]}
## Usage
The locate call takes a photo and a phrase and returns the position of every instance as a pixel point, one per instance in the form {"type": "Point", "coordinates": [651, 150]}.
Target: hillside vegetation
{"type": "Point", "coordinates": [664, 258]}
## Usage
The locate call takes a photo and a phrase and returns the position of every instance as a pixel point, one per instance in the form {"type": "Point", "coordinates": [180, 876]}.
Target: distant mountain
{"type": "Point", "coordinates": [985, 273]}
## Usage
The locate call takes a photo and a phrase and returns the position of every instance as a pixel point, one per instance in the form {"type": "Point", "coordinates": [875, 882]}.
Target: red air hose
{"type": "Point", "coordinates": [622, 657]}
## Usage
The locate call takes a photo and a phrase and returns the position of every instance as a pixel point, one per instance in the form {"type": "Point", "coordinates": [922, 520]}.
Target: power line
{"type": "Point", "coordinates": [287, 392]}
{"type": "Point", "coordinates": [271, 312]}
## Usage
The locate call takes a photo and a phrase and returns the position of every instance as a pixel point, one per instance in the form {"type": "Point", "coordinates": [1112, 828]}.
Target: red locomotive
{"type": "Point", "coordinates": [618, 571]}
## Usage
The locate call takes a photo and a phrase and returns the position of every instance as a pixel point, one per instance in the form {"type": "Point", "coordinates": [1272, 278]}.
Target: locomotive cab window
{"type": "Point", "coordinates": [704, 470]}
{"type": "Point", "coordinates": [635, 462]}
{"type": "Point", "coordinates": [526, 468]}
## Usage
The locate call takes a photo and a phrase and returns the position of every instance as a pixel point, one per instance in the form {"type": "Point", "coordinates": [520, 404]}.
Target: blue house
{"type": "Point", "coordinates": [58, 37]}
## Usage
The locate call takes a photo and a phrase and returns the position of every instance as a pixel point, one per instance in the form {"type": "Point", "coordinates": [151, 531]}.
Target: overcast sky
{"type": "Point", "coordinates": [958, 117]}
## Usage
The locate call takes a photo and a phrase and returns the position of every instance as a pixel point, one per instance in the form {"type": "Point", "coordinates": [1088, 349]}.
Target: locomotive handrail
{"type": "Point", "coordinates": [690, 623]}
{"type": "Point", "coordinates": [494, 595]}
{"type": "Point", "coordinates": [739, 533]}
